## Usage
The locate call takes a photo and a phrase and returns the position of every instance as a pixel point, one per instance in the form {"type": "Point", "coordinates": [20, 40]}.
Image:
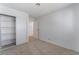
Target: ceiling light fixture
{"type": "Point", "coordinates": [37, 4]}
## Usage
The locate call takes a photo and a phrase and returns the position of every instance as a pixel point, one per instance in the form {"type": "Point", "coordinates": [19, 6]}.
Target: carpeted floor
{"type": "Point", "coordinates": [37, 47]}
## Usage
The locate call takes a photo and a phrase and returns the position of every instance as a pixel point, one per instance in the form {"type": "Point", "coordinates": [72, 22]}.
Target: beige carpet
{"type": "Point", "coordinates": [37, 47]}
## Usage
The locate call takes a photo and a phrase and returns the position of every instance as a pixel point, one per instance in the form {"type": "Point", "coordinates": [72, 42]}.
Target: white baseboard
{"type": "Point", "coordinates": [49, 41]}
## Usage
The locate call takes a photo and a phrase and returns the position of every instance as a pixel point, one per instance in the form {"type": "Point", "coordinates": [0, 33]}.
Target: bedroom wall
{"type": "Point", "coordinates": [61, 27]}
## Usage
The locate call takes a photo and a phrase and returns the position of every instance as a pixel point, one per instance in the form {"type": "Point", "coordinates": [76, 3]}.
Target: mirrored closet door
{"type": "Point", "coordinates": [7, 30]}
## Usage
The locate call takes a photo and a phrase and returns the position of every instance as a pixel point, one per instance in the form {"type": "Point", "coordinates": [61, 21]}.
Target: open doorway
{"type": "Point", "coordinates": [31, 26]}
{"type": "Point", "coordinates": [7, 31]}
{"type": "Point", "coordinates": [31, 29]}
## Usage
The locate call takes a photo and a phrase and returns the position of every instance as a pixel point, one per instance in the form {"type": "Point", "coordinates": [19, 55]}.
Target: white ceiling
{"type": "Point", "coordinates": [36, 11]}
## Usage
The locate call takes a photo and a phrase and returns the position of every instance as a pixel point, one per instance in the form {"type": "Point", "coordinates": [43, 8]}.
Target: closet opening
{"type": "Point", "coordinates": [7, 31]}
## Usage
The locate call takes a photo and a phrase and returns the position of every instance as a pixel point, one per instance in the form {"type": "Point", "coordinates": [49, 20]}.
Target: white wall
{"type": "Point", "coordinates": [61, 27]}
{"type": "Point", "coordinates": [22, 20]}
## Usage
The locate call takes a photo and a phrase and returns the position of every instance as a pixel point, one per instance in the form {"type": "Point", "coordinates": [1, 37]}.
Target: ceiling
{"type": "Point", "coordinates": [36, 11]}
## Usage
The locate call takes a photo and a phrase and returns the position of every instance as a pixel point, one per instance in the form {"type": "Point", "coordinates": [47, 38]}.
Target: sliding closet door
{"type": "Point", "coordinates": [7, 30]}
